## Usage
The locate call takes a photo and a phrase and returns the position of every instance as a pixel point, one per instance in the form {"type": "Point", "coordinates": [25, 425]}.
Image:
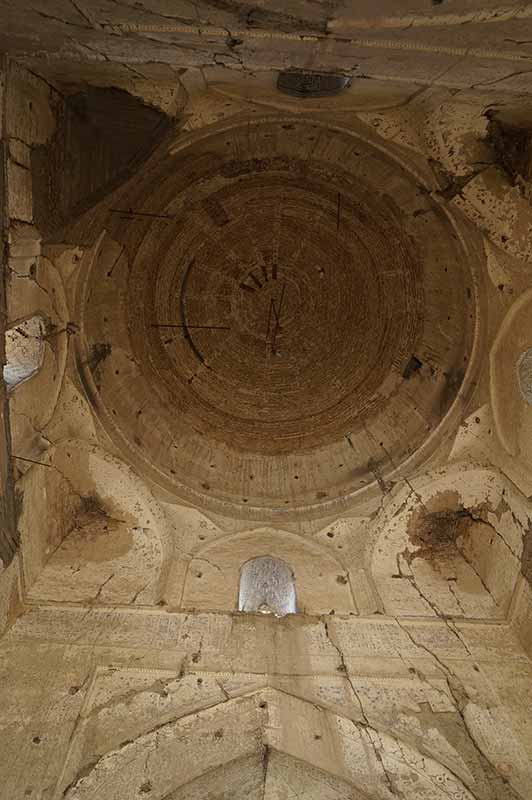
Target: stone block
{"type": "Point", "coordinates": [19, 192]}
{"type": "Point", "coordinates": [29, 116]}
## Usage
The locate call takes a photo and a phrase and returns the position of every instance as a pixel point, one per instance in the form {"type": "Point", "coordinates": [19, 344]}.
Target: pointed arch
{"type": "Point", "coordinates": [179, 753]}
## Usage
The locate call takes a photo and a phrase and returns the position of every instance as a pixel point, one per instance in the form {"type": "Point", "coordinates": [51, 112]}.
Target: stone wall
{"type": "Point", "coordinates": [126, 668]}
{"type": "Point", "coordinates": [116, 699]}
{"type": "Point", "coordinates": [8, 534]}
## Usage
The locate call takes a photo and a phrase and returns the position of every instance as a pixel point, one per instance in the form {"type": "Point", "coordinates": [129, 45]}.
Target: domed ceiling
{"type": "Point", "coordinates": [293, 326]}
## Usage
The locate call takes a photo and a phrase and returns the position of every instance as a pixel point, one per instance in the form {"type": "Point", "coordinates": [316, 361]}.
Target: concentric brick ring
{"type": "Point", "coordinates": [324, 313]}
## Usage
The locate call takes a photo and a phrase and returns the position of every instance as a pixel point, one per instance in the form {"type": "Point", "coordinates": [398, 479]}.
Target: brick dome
{"type": "Point", "coordinates": [293, 322]}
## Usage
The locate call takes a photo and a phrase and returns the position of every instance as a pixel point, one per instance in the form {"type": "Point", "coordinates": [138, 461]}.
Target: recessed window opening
{"type": "Point", "coordinates": [24, 351]}
{"type": "Point", "coordinates": [267, 586]}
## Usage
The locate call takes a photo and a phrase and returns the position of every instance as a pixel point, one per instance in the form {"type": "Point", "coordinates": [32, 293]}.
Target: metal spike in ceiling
{"type": "Point", "coordinates": [311, 84]}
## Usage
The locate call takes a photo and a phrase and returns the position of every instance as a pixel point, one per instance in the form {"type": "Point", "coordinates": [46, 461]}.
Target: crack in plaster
{"type": "Point", "coordinates": [44, 15]}
{"type": "Point", "coordinates": [503, 78]}
{"type": "Point", "coordinates": [85, 16]}
{"type": "Point", "coordinates": [211, 563]}
{"type": "Point", "coordinates": [455, 595]}
{"type": "Point", "coordinates": [456, 688]}
{"type": "Point", "coordinates": [343, 668]}
{"type": "Point", "coordinates": [36, 430]}
{"type": "Point", "coordinates": [375, 740]}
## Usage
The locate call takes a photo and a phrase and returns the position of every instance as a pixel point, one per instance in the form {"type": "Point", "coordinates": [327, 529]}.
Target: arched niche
{"type": "Point", "coordinates": [91, 531]}
{"type": "Point", "coordinates": [267, 585]}
{"type": "Point", "coordinates": [246, 779]}
{"type": "Point", "coordinates": [511, 381]}
{"type": "Point", "coordinates": [175, 760]}
{"type": "Point", "coordinates": [450, 544]}
{"type": "Point", "coordinates": [213, 577]}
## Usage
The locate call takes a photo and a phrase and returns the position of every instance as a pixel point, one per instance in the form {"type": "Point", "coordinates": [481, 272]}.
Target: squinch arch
{"type": "Point", "coordinates": [450, 544]}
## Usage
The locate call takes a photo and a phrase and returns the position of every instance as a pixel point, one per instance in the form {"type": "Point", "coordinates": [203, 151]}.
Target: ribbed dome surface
{"type": "Point", "coordinates": [327, 314]}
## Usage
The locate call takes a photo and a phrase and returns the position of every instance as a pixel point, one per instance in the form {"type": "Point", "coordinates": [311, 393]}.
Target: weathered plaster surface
{"type": "Point", "coordinates": [126, 671]}
{"type": "Point", "coordinates": [216, 677]}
